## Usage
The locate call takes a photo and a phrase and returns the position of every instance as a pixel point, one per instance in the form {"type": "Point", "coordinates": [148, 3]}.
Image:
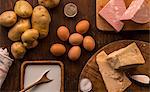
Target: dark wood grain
{"type": "Point", "coordinates": [72, 69]}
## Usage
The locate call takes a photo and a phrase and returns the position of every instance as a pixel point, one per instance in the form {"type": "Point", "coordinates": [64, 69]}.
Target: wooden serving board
{"type": "Point", "coordinates": [129, 25]}
{"type": "Point", "coordinates": [91, 70]}
{"type": "Point", "coordinates": [26, 63]}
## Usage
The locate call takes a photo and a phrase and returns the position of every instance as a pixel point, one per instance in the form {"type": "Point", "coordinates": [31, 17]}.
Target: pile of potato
{"type": "Point", "coordinates": [24, 33]}
{"type": "Point", "coordinates": [75, 39]}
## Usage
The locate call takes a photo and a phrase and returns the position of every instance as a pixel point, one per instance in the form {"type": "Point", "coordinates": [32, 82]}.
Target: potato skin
{"type": "Point", "coordinates": [18, 50]}
{"type": "Point", "coordinates": [21, 26]}
{"type": "Point", "coordinates": [30, 35]}
{"type": "Point", "coordinates": [29, 38]}
{"type": "Point", "coordinates": [8, 18]}
{"type": "Point", "coordinates": [41, 20]}
{"type": "Point", "coordinates": [23, 9]}
{"type": "Point", "coordinates": [31, 45]}
{"type": "Point", "coordinates": [49, 3]}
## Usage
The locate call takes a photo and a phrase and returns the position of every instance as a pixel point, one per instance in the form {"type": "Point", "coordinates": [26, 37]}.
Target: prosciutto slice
{"type": "Point", "coordinates": [138, 11]}
{"type": "Point", "coordinates": [112, 12]}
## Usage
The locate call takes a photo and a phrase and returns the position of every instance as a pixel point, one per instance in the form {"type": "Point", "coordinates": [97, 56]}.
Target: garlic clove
{"type": "Point", "coordinates": [85, 85]}
{"type": "Point", "coordinates": [141, 78]}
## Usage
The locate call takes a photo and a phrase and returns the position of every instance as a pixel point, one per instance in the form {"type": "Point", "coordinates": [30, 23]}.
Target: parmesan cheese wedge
{"type": "Point", "coordinates": [115, 81]}
{"type": "Point", "coordinates": [127, 57]}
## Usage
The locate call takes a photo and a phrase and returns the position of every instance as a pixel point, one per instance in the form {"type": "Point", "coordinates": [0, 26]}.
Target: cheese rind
{"type": "Point", "coordinates": [128, 56]}
{"type": "Point", "coordinates": [115, 81]}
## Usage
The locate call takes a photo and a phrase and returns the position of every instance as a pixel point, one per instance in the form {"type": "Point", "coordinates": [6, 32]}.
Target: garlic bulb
{"type": "Point", "coordinates": [141, 78]}
{"type": "Point", "coordinates": [85, 85]}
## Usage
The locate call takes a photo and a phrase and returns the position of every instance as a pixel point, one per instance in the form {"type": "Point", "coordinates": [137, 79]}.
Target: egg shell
{"type": "Point", "coordinates": [63, 33]}
{"type": "Point", "coordinates": [88, 43]}
{"type": "Point", "coordinates": [83, 26]}
{"type": "Point", "coordinates": [57, 49]}
{"type": "Point", "coordinates": [75, 39]}
{"type": "Point", "coordinates": [74, 53]}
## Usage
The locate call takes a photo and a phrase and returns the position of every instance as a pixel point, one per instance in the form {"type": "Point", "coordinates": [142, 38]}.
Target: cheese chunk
{"type": "Point", "coordinates": [115, 81]}
{"type": "Point", "coordinates": [126, 57]}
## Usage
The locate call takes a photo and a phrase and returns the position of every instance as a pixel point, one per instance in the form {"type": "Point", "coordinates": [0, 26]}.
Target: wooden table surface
{"type": "Point", "coordinates": [72, 69]}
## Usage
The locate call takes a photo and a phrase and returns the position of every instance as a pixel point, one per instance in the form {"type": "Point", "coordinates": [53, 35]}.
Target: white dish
{"type": "Point", "coordinates": [35, 72]}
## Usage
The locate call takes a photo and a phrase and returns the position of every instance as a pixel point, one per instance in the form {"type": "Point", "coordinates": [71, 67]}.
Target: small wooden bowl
{"type": "Point", "coordinates": [44, 62]}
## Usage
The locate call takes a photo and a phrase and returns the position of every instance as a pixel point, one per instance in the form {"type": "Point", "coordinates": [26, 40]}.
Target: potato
{"type": "Point", "coordinates": [29, 38]}
{"type": "Point", "coordinates": [41, 20]}
{"type": "Point", "coordinates": [21, 26]}
{"type": "Point", "coordinates": [30, 35]}
{"type": "Point", "coordinates": [23, 9]}
{"type": "Point", "coordinates": [49, 3]}
{"type": "Point", "coordinates": [8, 18]}
{"type": "Point", "coordinates": [18, 50]}
{"type": "Point", "coordinates": [31, 45]}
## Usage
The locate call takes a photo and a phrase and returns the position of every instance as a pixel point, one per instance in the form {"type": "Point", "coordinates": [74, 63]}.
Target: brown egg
{"type": "Point", "coordinates": [83, 26]}
{"type": "Point", "coordinates": [57, 49]}
{"type": "Point", "coordinates": [74, 53]}
{"type": "Point", "coordinates": [75, 39]}
{"type": "Point", "coordinates": [63, 33]}
{"type": "Point", "coordinates": [88, 43]}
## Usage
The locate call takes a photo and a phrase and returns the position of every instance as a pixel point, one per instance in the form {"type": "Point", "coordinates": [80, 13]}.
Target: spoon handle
{"type": "Point", "coordinates": [23, 90]}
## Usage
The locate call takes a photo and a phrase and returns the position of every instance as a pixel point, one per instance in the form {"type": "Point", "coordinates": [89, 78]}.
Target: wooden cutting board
{"type": "Point", "coordinates": [91, 70]}
{"type": "Point", "coordinates": [129, 25]}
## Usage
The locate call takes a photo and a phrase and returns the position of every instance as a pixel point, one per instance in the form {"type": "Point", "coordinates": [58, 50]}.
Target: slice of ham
{"type": "Point", "coordinates": [138, 11]}
{"type": "Point", "coordinates": [112, 12]}
{"type": "Point", "coordinates": [143, 15]}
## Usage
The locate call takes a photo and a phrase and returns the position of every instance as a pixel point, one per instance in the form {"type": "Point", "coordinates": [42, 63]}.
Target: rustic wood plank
{"type": "Point", "coordinates": [72, 69]}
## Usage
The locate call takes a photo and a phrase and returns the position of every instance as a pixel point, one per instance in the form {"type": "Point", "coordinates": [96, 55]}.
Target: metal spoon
{"type": "Point", "coordinates": [44, 79]}
{"type": "Point", "coordinates": [144, 79]}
